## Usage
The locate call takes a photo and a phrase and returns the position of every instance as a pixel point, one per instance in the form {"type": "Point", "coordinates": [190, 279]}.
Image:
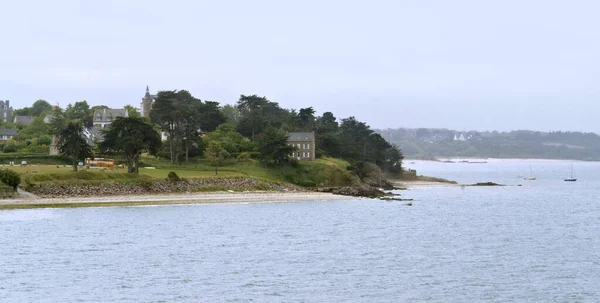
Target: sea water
{"type": "Point", "coordinates": [537, 242]}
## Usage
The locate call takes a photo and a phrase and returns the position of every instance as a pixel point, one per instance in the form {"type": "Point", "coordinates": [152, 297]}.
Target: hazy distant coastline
{"type": "Point", "coordinates": [435, 144]}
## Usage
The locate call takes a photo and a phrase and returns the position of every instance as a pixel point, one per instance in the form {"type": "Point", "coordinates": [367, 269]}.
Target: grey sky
{"type": "Point", "coordinates": [456, 64]}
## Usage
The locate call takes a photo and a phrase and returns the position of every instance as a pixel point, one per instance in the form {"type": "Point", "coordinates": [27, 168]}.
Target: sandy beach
{"type": "Point", "coordinates": [184, 198]}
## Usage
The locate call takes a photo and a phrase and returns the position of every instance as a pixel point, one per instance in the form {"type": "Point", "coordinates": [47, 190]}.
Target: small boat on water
{"type": "Point", "coordinates": [531, 177]}
{"type": "Point", "coordinates": [571, 179]}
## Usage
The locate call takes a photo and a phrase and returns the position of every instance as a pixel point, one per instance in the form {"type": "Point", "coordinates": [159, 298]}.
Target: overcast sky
{"type": "Point", "coordinates": [510, 64]}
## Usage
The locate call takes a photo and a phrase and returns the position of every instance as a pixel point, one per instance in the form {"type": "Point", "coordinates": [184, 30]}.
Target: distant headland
{"type": "Point", "coordinates": [431, 143]}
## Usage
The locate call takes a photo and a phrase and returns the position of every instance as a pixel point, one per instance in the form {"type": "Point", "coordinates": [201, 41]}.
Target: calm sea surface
{"type": "Point", "coordinates": [538, 242]}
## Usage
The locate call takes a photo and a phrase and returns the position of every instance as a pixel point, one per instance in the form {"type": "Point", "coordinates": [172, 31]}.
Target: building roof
{"type": "Point", "coordinates": [8, 132]}
{"type": "Point", "coordinates": [23, 119]}
{"type": "Point", "coordinates": [93, 133]}
{"type": "Point", "coordinates": [148, 95]}
{"type": "Point", "coordinates": [108, 115]}
{"type": "Point", "coordinates": [305, 136]}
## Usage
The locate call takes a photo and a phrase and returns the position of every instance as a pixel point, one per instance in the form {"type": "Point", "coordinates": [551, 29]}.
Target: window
{"type": "Point", "coordinates": [307, 146]}
{"type": "Point", "coordinates": [308, 154]}
{"type": "Point", "coordinates": [303, 155]}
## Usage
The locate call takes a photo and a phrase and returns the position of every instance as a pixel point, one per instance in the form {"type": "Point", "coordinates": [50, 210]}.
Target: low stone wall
{"type": "Point", "coordinates": [154, 187]}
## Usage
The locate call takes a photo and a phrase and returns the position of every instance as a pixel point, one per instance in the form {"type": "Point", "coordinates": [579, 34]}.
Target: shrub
{"type": "Point", "coordinates": [173, 177]}
{"type": "Point", "coordinates": [9, 149]}
{"type": "Point", "coordinates": [44, 140]}
{"type": "Point", "coordinates": [35, 149]}
{"type": "Point", "coordinates": [10, 178]}
{"type": "Point", "coordinates": [244, 157]}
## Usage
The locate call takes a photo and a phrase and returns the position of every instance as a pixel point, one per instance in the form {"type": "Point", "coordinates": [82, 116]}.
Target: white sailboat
{"type": "Point", "coordinates": [531, 177]}
{"type": "Point", "coordinates": [571, 179]}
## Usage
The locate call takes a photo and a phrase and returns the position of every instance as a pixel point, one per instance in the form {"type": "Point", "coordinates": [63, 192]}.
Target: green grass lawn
{"type": "Point", "coordinates": [307, 173]}
{"type": "Point", "coordinates": [158, 173]}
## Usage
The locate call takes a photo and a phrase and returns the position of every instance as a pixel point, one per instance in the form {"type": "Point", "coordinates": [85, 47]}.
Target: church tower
{"type": "Point", "coordinates": [147, 101]}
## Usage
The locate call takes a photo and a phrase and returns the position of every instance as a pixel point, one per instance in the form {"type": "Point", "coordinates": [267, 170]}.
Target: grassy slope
{"type": "Point", "coordinates": [321, 172]}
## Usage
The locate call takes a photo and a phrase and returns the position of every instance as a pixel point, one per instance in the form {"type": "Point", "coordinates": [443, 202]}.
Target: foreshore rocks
{"type": "Point", "coordinates": [153, 187]}
{"type": "Point", "coordinates": [356, 190]}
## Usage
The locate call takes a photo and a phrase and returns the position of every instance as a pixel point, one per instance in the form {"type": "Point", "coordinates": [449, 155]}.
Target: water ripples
{"type": "Point", "coordinates": [466, 245]}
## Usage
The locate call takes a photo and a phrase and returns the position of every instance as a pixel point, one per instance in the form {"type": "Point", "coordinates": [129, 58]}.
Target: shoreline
{"type": "Point", "coordinates": [442, 159]}
{"type": "Point", "coordinates": [408, 184]}
{"type": "Point", "coordinates": [171, 199]}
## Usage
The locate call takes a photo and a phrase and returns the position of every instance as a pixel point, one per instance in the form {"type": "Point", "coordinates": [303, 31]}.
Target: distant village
{"type": "Point", "coordinates": [102, 118]}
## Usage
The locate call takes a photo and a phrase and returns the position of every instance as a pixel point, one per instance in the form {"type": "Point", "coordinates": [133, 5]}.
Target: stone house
{"type": "Point", "coordinates": [6, 112]}
{"type": "Point", "coordinates": [104, 117]}
{"type": "Point", "coordinates": [25, 120]}
{"type": "Point", "coordinates": [305, 143]}
{"type": "Point", "coordinates": [8, 134]}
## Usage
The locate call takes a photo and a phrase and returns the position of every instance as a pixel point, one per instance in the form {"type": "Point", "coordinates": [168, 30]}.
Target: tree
{"type": "Point", "coordinates": [10, 178]}
{"type": "Point", "coordinates": [353, 135]}
{"type": "Point", "coordinates": [329, 144]}
{"type": "Point", "coordinates": [39, 107]}
{"type": "Point", "coordinates": [327, 123]}
{"type": "Point", "coordinates": [190, 126]}
{"type": "Point", "coordinates": [79, 111]}
{"type": "Point", "coordinates": [252, 111]}
{"type": "Point", "coordinates": [178, 114]}
{"type": "Point", "coordinates": [132, 111]}
{"type": "Point", "coordinates": [211, 116]}
{"type": "Point", "coordinates": [132, 136]}
{"type": "Point", "coordinates": [44, 140]}
{"type": "Point", "coordinates": [72, 143]}
{"type": "Point", "coordinates": [307, 117]}
{"type": "Point", "coordinates": [36, 129]}
{"type": "Point", "coordinates": [423, 133]}
{"type": "Point", "coordinates": [230, 139]}
{"type": "Point", "coordinates": [231, 113]}
{"type": "Point", "coordinates": [216, 155]}
{"type": "Point", "coordinates": [274, 148]}
{"type": "Point", "coordinates": [258, 113]}
{"type": "Point", "coordinates": [25, 111]}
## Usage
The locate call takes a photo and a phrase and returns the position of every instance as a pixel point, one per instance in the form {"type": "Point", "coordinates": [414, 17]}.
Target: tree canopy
{"type": "Point", "coordinates": [72, 143]}
{"type": "Point", "coordinates": [38, 107]}
{"type": "Point", "coordinates": [131, 136]}
{"type": "Point", "coordinates": [179, 115]}
{"type": "Point", "coordinates": [273, 147]}
{"type": "Point", "coordinates": [192, 127]}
